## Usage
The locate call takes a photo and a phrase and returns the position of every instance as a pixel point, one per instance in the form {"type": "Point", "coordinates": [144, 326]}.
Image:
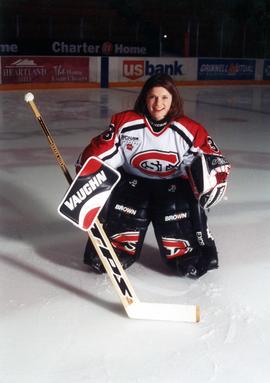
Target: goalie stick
{"type": "Point", "coordinates": [133, 307]}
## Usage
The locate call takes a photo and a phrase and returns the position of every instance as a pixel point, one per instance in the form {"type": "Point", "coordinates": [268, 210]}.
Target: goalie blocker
{"type": "Point", "coordinates": [88, 193]}
{"type": "Point", "coordinates": [208, 178]}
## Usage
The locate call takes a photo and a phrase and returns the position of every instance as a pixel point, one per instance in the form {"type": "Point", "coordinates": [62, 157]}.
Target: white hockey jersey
{"type": "Point", "coordinates": [131, 142]}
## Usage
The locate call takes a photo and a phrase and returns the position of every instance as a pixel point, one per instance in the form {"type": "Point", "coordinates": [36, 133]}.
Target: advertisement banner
{"type": "Point", "coordinates": [226, 69]}
{"type": "Point", "coordinates": [31, 69]}
{"type": "Point", "coordinates": [139, 69]}
{"type": "Point", "coordinates": [77, 48]}
{"type": "Point", "coordinates": [266, 70]}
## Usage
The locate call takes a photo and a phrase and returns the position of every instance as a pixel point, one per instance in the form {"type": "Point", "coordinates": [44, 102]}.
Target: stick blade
{"type": "Point", "coordinates": [161, 311]}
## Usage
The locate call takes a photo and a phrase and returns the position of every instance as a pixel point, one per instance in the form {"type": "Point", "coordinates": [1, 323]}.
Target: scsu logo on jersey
{"type": "Point", "coordinates": [156, 163]}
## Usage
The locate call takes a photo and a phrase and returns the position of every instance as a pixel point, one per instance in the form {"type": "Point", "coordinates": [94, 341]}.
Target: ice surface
{"type": "Point", "coordinates": [60, 323]}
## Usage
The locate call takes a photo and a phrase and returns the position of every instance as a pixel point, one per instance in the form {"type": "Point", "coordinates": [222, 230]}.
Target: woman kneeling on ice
{"type": "Point", "coordinates": [171, 171]}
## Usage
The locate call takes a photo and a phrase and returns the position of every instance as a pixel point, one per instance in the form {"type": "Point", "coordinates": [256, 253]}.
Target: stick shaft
{"type": "Point", "coordinates": [97, 235]}
{"type": "Point", "coordinates": [112, 265]}
{"type": "Point", "coordinates": [51, 141]}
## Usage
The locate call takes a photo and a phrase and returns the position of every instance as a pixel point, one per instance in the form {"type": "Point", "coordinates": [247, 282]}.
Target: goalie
{"type": "Point", "coordinates": [171, 172]}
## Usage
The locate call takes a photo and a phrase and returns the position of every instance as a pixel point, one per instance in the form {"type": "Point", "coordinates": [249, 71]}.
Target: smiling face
{"type": "Point", "coordinates": [158, 102]}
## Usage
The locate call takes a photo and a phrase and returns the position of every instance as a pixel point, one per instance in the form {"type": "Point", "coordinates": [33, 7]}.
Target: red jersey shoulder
{"type": "Point", "coordinates": [117, 121]}
{"type": "Point", "coordinates": [202, 139]}
{"type": "Point", "coordinates": [121, 118]}
{"type": "Point", "coordinates": [192, 125]}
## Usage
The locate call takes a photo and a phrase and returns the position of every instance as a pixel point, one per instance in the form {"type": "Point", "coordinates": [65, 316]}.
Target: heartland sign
{"type": "Point", "coordinates": [33, 69]}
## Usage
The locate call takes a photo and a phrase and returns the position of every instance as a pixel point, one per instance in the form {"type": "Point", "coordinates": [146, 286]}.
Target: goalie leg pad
{"type": "Point", "coordinates": [125, 219]}
{"type": "Point", "coordinates": [91, 258]}
{"type": "Point", "coordinates": [181, 230]}
{"type": "Point", "coordinates": [173, 226]}
{"type": "Point", "coordinates": [199, 221]}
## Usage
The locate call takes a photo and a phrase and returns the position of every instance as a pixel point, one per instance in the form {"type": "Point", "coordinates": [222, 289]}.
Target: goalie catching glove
{"type": "Point", "coordinates": [208, 178]}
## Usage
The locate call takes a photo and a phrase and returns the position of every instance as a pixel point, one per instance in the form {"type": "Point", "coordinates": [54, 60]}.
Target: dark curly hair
{"type": "Point", "coordinates": [165, 81]}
